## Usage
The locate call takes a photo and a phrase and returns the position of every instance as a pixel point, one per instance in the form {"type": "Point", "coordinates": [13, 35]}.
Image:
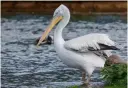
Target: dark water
{"type": "Point", "coordinates": [26, 66]}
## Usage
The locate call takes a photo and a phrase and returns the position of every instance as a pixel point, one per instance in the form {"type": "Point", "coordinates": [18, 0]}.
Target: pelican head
{"type": "Point", "coordinates": [60, 14]}
{"type": "Point", "coordinates": [48, 40]}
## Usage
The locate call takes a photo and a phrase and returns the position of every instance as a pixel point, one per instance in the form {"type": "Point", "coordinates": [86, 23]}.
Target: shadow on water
{"type": "Point", "coordinates": [25, 66]}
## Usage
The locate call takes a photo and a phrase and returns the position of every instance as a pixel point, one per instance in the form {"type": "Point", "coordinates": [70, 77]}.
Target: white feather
{"type": "Point", "coordinates": [90, 40]}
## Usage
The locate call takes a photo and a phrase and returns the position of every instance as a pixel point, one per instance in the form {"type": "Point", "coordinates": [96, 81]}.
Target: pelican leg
{"type": "Point", "coordinates": [83, 76]}
{"type": "Point", "coordinates": [88, 80]}
{"type": "Point", "coordinates": [85, 81]}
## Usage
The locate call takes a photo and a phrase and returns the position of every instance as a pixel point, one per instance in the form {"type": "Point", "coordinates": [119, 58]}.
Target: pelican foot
{"type": "Point", "coordinates": [86, 84]}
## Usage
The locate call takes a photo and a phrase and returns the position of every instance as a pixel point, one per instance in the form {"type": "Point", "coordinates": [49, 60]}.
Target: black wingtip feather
{"type": "Point", "coordinates": [114, 48]}
{"type": "Point", "coordinates": [106, 47]}
{"type": "Point", "coordinates": [103, 47]}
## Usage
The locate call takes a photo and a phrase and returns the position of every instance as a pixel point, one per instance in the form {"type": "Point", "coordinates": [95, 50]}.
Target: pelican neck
{"type": "Point", "coordinates": [58, 38]}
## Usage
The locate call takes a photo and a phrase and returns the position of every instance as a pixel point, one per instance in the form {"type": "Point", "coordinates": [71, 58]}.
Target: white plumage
{"type": "Point", "coordinates": [91, 40]}
{"type": "Point", "coordinates": [85, 52]}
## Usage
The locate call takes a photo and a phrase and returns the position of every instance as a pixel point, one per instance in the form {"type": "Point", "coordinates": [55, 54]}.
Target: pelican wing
{"type": "Point", "coordinates": [90, 42]}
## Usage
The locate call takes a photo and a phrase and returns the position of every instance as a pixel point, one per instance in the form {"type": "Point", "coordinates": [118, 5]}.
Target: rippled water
{"type": "Point", "coordinates": [26, 66]}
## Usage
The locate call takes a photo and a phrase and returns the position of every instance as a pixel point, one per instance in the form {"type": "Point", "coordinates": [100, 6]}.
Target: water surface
{"type": "Point", "coordinates": [26, 66]}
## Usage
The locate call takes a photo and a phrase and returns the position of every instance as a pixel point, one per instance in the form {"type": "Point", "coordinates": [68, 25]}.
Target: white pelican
{"type": "Point", "coordinates": [85, 52]}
